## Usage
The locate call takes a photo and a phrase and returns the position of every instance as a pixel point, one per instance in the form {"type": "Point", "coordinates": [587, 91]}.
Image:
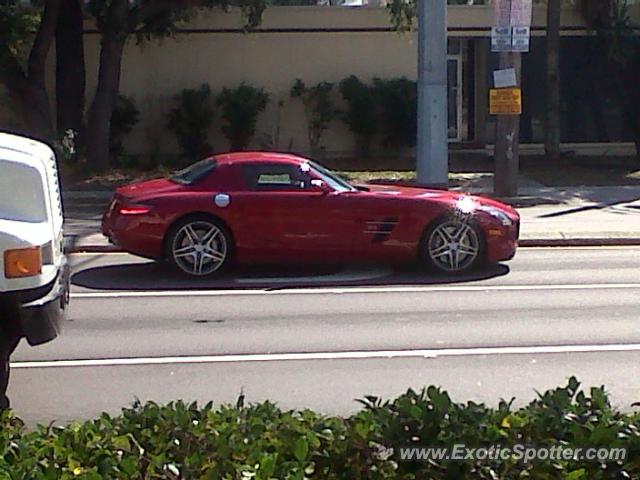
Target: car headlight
{"type": "Point", "coordinates": [502, 217]}
{"type": "Point", "coordinates": [466, 205]}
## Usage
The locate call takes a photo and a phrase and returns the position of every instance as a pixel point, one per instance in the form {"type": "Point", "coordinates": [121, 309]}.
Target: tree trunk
{"type": "Point", "coordinates": [99, 122]}
{"type": "Point", "coordinates": [70, 68]}
{"type": "Point", "coordinates": [552, 116]}
{"type": "Point", "coordinates": [30, 87]}
{"type": "Point", "coordinates": [14, 78]}
{"type": "Point", "coordinates": [114, 29]}
{"type": "Point", "coordinates": [37, 105]}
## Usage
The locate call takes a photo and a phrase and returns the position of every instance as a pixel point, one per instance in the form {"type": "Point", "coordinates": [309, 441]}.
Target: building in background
{"type": "Point", "coordinates": [317, 43]}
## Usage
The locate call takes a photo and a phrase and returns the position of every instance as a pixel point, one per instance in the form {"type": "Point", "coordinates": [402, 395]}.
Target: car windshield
{"type": "Point", "coordinates": [194, 173]}
{"type": "Point", "coordinates": [333, 180]}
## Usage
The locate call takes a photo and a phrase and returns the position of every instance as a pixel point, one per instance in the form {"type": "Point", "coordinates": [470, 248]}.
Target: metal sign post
{"type": "Point", "coordinates": [432, 154]}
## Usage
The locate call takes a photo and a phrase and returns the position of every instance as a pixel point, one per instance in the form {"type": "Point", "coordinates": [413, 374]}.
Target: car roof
{"type": "Point", "coordinates": [258, 157]}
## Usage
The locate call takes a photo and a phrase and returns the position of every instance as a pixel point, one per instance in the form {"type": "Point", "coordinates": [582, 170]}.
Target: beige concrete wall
{"type": "Point", "coordinates": [272, 61]}
{"type": "Point", "coordinates": [154, 73]}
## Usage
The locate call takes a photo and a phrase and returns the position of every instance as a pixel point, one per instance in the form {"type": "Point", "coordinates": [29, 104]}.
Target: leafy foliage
{"type": "Point", "coordinates": [240, 108]}
{"type": "Point", "coordinates": [124, 117]}
{"type": "Point", "coordinates": [361, 112]}
{"type": "Point", "coordinates": [190, 120]}
{"type": "Point", "coordinates": [611, 20]}
{"type": "Point", "coordinates": [18, 24]}
{"type": "Point", "coordinates": [150, 19]}
{"type": "Point", "coordinates": [404, 12]}
{"type": "Point", "coordinates": [398, 99]}
{"type": "Point", "coordinates": [184, 441]}
{"type": "Point", "coordinates": [318, 107]}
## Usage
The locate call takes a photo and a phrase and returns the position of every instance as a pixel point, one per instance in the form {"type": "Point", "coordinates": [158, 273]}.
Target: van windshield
{"type": "Point", "coordinates": [22, 196]}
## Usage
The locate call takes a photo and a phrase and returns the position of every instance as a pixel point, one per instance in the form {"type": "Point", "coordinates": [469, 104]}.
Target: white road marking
{"type": "Point", "coordinates": [583, 247]}
{"type": "Point", "coordinates": [347, 355]}
{"type": "Point", "coordinates": [353, 290]}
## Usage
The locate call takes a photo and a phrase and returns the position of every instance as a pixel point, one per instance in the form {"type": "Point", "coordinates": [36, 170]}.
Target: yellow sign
{"type": "Point", "coordinates": [505, 101]}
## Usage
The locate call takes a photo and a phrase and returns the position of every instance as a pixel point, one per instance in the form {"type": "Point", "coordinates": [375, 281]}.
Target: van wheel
{"type": "Point", "coordinates": [199, 246]}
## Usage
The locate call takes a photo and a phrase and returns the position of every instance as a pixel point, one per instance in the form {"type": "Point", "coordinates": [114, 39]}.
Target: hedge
{"type": "Point", "coordinates": [261, 441]}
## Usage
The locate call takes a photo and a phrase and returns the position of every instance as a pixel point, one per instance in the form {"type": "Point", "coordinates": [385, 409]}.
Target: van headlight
{"type": "Point", "coordinates": [23, 262]}
{"type": "Point", "coordinates": [502, 217]}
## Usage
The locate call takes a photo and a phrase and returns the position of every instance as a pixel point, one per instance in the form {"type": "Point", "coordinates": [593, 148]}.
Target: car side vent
{"type": "Point", "coordinates": [380, 230]}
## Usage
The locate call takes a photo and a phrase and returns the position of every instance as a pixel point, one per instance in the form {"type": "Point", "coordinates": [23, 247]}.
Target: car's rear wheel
{"type": "Point", "coordinates": [452, 245]}
{"type": "Point", "coordinates": [199, 246]}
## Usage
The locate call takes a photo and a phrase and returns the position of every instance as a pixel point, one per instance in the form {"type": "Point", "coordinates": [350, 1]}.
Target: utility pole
{"type": "Point", "coordinates": [510, 37]}
{"type": "Point", "coordinates": [507, 159]}
{"type": "Point", "coordinates": [433, 150]}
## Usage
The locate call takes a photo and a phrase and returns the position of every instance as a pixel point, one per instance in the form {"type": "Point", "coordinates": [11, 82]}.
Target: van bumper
{"type": "Point", "coordinates": [40, 312]}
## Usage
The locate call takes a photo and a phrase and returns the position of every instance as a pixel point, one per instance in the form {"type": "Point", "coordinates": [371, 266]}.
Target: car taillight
{"type": "Point", "coordinates": [23, 262]}
{"type": "Point", "coordinates": [134, 209]}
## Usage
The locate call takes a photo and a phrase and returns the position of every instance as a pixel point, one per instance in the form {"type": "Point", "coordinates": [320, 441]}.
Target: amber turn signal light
{"type": "Point", "coordinates": [22, 262]}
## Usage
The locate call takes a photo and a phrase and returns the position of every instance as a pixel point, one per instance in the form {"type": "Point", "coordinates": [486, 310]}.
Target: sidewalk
{"type": "Point", "coordinates": [550, 216]}
{"type": "Point", "coordinates": [568, 216]}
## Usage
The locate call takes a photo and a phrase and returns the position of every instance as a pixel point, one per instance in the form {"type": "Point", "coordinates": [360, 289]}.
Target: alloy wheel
{"type": "Point", "coordinates": [453, 246]}
{"type": "Point", "coordinates": [199, 248]}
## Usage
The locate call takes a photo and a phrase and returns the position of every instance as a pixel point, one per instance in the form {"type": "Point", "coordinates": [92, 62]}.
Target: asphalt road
{"type": "Point", "coordinates": [321, 339]}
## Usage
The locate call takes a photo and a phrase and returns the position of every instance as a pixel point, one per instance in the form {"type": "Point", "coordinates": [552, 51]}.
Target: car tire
{"type": "Point", "coordinates": [199, 246]}
{"type": "Point", "coordinates": [452, 245]}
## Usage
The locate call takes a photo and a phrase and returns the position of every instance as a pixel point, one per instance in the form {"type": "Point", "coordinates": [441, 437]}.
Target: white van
{"type": "Point", "coordinates": [34, 274]}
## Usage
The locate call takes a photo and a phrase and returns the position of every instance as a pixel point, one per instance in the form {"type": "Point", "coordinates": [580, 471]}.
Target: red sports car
{"type": "Point", "coordinates": [271, 208]}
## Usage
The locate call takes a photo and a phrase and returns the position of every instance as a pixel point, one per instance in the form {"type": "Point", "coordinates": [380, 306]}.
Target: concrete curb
{"type": "Point", "coordinates": [94, 249]}
{"type": "Point", "coordinates": [580, 242]}
{"type": "Point", "coordinates": [87, 194]}
{"type": "Point", "coordinates": [530, 243]}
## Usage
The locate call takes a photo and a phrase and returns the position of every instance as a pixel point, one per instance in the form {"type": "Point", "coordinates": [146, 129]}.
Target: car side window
{"type": "Point", "coordinates": [272, 176]}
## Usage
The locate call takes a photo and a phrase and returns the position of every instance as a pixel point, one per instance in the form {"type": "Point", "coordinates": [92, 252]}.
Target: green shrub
{"type": "Point", "coordinates": [125, 116]}
{"type": "Point", "coordinates": [398, 100]}
{"type": "Point", "coordinates": [190, 120]}
{"type": "Point", "coordinates": [318, 108]}
{"type": "Point", "coordinates": [264, 442]}
{"type": "Point", "coordinates": [360, 116]}
{"type": "Point", "coordinates": [240, 108]}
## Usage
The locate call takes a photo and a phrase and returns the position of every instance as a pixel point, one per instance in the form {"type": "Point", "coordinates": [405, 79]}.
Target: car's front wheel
{"type": "Point", "coordinates": [199, 246]}
{"type": "Point", "coordinates": [452, 245]}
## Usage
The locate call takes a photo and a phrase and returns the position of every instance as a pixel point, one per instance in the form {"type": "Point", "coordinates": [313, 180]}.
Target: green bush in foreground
{"type": "Point", "coordinates": [261, 442]}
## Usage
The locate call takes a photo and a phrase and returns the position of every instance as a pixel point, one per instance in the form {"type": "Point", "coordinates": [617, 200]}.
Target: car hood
{"type": "Point", "coordinates": [148, 187]}
{"type": "Point", "coordinates": [447, 197]}
{"type": "Point", "coordinates": [401, 191]}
